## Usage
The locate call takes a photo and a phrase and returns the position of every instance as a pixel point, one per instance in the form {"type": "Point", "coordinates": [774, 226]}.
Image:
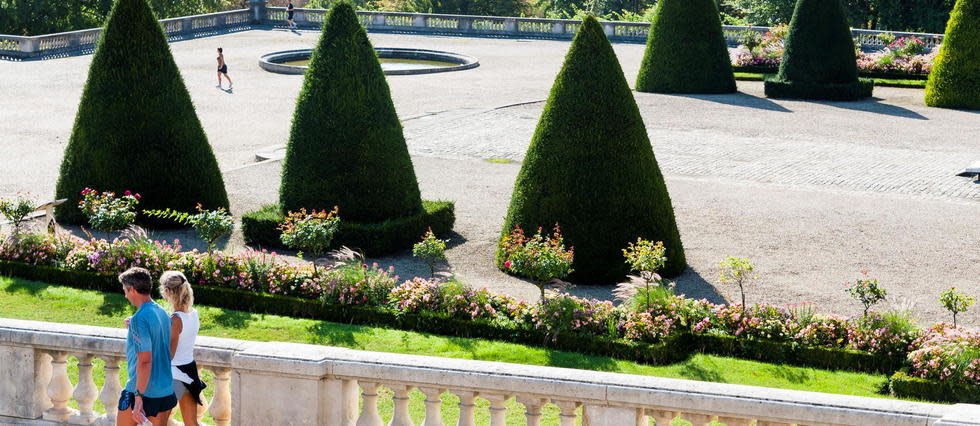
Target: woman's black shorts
{"type": "Point", "coordinates": [151, 406]}
{"type": "Point", "coordinates": [223, 69]}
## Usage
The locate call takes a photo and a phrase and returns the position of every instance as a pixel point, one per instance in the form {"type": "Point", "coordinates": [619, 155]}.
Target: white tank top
{"type": "Point", "coordinates": [185, 343]}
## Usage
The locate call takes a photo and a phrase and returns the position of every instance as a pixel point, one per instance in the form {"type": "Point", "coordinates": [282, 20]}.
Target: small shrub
{"type": "Point", "coordinates": [868, 292]}
{"type": "Point", "coordinates": [15, 210]}
{"type": "Point", "coordinates": [750, 39]}
{"type": "Point", "coordinates": [643, 291]}
{"type": "Point", "coordinates": [953, 82]}
{"type": "Point", "coordinates": [310, 232]}
{"type": "Point", "coordinates": [908, 46]}
{"type": "Point", "coordinates": [886, 38]}
{"type": "Point", "coordinates": [106, 212]}
{"type": "Point", "coordinates": [947, 353]}
{"type": "Point", "coordinates": [955, 302]}
{"type": "Point", "coordinates": [566, 313]}
{"type": "Point", "coordinates": [431, 250]}
{"type": "Point", "coordinates": [211, 225]}
{"type": "Point", "coordinates": [890, 334]}
{"type": "Point", "coordinates": [737, 270]}
{"type": "Point", "coordinates": [541, 258]}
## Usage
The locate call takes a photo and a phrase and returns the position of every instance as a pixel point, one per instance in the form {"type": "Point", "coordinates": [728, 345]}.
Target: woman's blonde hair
{"type": "Point", "coordinates": [175, 288]}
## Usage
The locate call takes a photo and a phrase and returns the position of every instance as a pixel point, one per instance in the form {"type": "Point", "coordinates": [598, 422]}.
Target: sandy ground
{"type": "Point", "coordinates": [812, 192]}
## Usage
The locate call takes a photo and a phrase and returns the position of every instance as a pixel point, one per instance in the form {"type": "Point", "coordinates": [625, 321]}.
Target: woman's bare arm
{"type": "Point", "coordinates": [176, 326]}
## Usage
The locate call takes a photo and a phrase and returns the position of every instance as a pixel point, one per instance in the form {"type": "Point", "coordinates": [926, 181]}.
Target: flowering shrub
{"type": "Point", "coordinates": [759, 321]}
{"type": "Point", "coordinates": [830, 331]}
{"type": "Point", "coordinates": [311, 232]}
{"type": "Point", "coordinates": [567, 313]}
{"type": "Point", "coordinates": [867, 291]}
{"type": "Point", "coordinates": [908, 46]}
{"type": "Point", "coordinates": [454, 298]}
{"type": "Point", "coordinates": [106, 212]}
{"type": "Point", "coordinates": [541, 258]}
{"type": "Point", "coordinates": [955, 302]}
{"type": "Point", "coordinates": [737, 270]}
{"type": "Point", "coordinates": [15, 210]}
{"type": "Point", "coordinates": [430, 250]}
{"type": "Point", "coordinates": [890, 334]}
{"type": "Point", "coordinates": [947, 352]}
{"type": "Point", "coordinates": [211, 225]}
{"type": "Point", "coordinates": [647, 328]}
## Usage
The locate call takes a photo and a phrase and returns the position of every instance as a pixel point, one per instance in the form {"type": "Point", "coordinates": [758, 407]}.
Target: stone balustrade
{"type": "Point", "coordinates": [270, 383]}
{"type": "Point", "coordinates": [258, 14]}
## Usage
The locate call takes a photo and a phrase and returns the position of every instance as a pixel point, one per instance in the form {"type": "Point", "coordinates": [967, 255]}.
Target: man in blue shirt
{"type": "Point", "coordinates": [149, 393]}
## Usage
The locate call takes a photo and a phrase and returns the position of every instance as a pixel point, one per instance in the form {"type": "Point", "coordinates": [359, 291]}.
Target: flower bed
{"type": "Point", "coordinates": [668, 331]}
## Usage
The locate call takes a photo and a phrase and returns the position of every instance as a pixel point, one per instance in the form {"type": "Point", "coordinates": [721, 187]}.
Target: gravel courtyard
{"type": "Point", "coordinates": [812, 192]}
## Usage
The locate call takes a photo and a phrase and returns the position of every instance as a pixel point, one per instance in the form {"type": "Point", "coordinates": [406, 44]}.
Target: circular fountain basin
{"type": "Point", "coordinates": [394, 61]}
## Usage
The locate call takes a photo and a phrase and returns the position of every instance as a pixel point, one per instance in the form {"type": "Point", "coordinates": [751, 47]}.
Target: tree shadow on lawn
{"type": "Point", "coordinates": [739, 99]}
{"type": "Point", "coordinates": [329, 334]}
{"type": "Point", "coordinates": [17, 285]}
{"type": "Point", "coordinates": [693, 371]}
{"type": "Point", "coordinates": [233, 319]}
{"type": "Point", "coordinates": [874, 105]}
{"type": "Point", "coordinates": [114, 305]}
{"type": "Point", "coordinates": [791, 374]}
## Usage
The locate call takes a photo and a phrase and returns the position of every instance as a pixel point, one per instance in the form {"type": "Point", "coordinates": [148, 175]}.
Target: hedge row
{"type": "Point", "coordinates": [262, 227]}
{"type": "Point", "coordinates": [885, 75]}
{"type": "Point", "coordinates": [902, 385]}
{"type": "Point", "coordinates": [777, 88]}
{"type": "Point", "coordinates": [675, 349]}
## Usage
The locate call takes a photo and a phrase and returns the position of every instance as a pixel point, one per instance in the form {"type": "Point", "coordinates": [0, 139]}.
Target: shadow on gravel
{"type": "Point", "coordinates": [874, 105]}
{"type": "Point", "coordinates": [693, 285]}
{"type": "Point", "coordinates": [739, 99]}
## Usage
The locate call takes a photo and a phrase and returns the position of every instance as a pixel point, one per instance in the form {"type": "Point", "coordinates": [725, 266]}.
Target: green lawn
{"type": "Point", "coordinates": [45, 302]}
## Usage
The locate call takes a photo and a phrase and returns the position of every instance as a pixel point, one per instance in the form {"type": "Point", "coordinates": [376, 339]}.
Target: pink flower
{"type": "Point", "coordinates": [507, 264]}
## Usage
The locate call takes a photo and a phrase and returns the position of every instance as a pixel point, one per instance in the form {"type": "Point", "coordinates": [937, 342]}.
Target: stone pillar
{"type": "Point", "coordinates": [605, 415]}
{"type": "Point", "coordinates": [259, 12]}
{"type": "Point", "coordinates": [22, 394]}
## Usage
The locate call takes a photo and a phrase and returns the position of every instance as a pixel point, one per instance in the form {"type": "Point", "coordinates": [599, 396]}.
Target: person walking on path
{"type": "Point", "coordinates": [223, 68]}
{"type": "Point", "coordinates": [149, 394]}
{"type": "Point", "coordinates": [184, 325]}
{"type": "Point", "coordinates": [289, 14]}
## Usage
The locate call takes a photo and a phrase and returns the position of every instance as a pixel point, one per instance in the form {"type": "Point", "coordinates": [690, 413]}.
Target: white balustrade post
{"type": "Point", "coordinates": [433, 407]}
{"type": "Point", "coordinates": [59, 390]}
{"type": "Point", "coordinates": [663, 418]}
{"type": "Point", "coordinates": [24, 377]}
{"type": "Point", "coordinates": [532, 409]}
{"type": "Point", "coordinates": [111, 391]}
{"type": "Point", "coordinates": [400, 416]}
{"type": "Point", "coordinates": [641, 417]}
{"type": "Point", "coordinates": [467, 406]}
{"type": "Point", "coordinates": [85, 392]}
{"type": "Point", "coordinates": [340, 407]}
{"type": "Point", "coordinates": [607, 415]}
{"type": "Point", "coordinates": [259, 11]}
{"type": "Point", "coordinates": [43, 373]}
{"type": "Point", "coordinates": [698, 419]}
{"type": "Point", "coordinates": [498, 408]}
{"type": "Point", "coordinates": [369, 414]}
{"type": "Point", "coordinates": [202, 408]}
{"type": "Point", "coordinates": [220, 408]}
{"type": "Point", "coordinates": [734, 421]}
{"type": "Point", "coordinates": [567, 416]}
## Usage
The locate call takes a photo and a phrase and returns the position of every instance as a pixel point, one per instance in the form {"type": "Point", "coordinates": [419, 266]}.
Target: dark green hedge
{"type": "Point", "coordinates": [591, 169]}
{"type": "Point", "coordinates": [375, 239]}
{"type": "Point", "coordinates": [795, 354]}
{"type": "Point", "coordinates": [675, 349]}
{"type": "Point", "coordinates": [865, 74]}
{"type": "Point", "coordinates": [136, 128]}
{"type": "Point", "coordinates": [686, 50]}
{"type": "Point", "coordinates": [955, 78]}
{"type": "Point", "coordinates": [905, 386]}
{"type": "Point", "coordinates": [776, 88]}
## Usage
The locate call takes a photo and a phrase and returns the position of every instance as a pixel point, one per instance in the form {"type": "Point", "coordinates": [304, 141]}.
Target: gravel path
{"type": "Point", "coordinates": [810, 191]}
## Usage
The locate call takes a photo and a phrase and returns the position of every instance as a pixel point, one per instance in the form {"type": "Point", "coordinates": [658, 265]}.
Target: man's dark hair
{"type": "Point", "coordinates": [138, 279]}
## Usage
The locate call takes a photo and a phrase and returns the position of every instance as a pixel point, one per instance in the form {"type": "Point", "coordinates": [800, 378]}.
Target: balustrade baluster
{"type": "Point", "coordinates": [765, 423]}
{"type": "Point", "coordinates": [698, 419]}
{"type": "Point", "coordinates": [467, 407]}
{"type": "Point", "coordinates": [401, 417]}
{"type": "Point", "coordinates": [220, 408]}
{"type": "Point", "coordinates": [567, 416]}
{"type": "Point", "coordinates": [532, 410]}
{"type": "Point", "coordinates": [85, 392]}
{"type": "Point", "coordinates": [433, 405]}
{"type": "Point", "coordinates": [662, 418]}
{"type": "Point", "coordinates": [498, 410]}
{"type": "Point", "coordinates": [111, 390]}
{"type": "Point", "coordinates": [42, 378]}
{"type": "Point", "coordinates": [734, 421]}
{"type": "Point", "coordinates": [202, 409]}
{"type": "Point", "coordinates": [369, 414]}
{"type": "Point", "coordinates": [641, 417]}
{"type": "Point", "coordinates": [59, 390]}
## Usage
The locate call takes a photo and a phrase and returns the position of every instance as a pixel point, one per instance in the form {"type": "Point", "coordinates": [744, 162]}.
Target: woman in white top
{"type": "Point", "coordinates": [184, 325]}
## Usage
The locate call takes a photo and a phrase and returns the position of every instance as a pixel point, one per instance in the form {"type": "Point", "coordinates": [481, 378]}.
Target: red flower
{"type": "Point", "coordinates": [138, 196]}
{"type": "Point", "coordinates": [507, 264]}
{"type": "Point", "coordinates": [127, 193]}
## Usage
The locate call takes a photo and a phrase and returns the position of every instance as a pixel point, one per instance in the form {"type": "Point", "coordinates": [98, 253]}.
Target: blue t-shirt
{"type": "Point", "coordinates": [149, 331]}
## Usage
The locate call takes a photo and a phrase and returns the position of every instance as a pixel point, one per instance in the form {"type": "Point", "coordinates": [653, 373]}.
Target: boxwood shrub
{"type": "Point", "coordinates": [777, 88]}
{"type": "Point", "coordinates": [795, 354]}
{"type": "Point", "coordinates": [376, 239]}
{"type": "Point", "coordinates": [136, 128]}
{"type": "Point", "coordinates": [955, 78]}
{"type": "Point", "coordinates": [905, 386]}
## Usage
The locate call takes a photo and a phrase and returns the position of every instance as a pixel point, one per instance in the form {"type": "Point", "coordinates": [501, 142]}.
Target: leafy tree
{"type": "Point", "coordinates": [956, 302]}
{"type": "Point", "coordinates": [590, 167]}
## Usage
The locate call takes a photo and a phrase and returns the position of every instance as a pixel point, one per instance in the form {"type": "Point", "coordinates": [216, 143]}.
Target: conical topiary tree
{"type": "Point", "coordinates": [346, 147]}
{"type": "Point", "coordinates": [955, 78]}
{"type": "Point", "coordinates": [591, 169]}
{"type": "Point", "coordinates": [136, 128]}
{"type": "Point", "coordinates": [819, 61]}
{"type": "Point", "coordinates": [686, 50]}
